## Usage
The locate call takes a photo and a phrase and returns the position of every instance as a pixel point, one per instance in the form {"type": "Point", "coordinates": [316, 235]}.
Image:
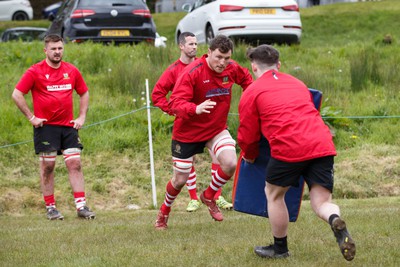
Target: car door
{"type": "Point", "coordinates": [6, 9]}
{"type": "Point", "coordinates": [195, 21]}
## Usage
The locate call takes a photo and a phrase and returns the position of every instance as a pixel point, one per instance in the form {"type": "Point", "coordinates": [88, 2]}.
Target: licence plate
{"type": "Point", "coordinates": [114, 33]}
{"type": "Point", "coordinates": [262, 11]}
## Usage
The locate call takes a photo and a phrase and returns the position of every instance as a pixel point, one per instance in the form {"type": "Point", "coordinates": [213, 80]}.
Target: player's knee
{"type": "Point", "coordinates": [228, 163]}
{"type": "Point", "coordinates": [179, 180]}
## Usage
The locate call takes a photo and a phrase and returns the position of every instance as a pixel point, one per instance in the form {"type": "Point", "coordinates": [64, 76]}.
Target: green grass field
{"type": "Point", "coordinates": [342, 53]}
{"type": "Point", "coordinates": [127, 238]}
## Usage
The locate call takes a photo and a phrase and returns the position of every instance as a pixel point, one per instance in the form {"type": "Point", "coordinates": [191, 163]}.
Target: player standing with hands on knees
{"type": "Point", "coordinates": [165, 84]}
{"type": "Point", "coordinates": [200, 101]}
{"type": "Point", "coordinates": [51, 83]}
{"type": "Point", "coordinates": [279, 107]}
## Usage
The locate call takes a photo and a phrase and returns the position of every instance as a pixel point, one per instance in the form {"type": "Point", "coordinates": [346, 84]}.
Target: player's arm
{"type": "Point", "coordinates": [249, 129]}
{"type": "Point", "coordinates": [83, 108]}
{"type": "Point", "coordinates": [19, 99]}
{"type": "Point", "coordinates": [243, 77]}
{"type": "Point", "coordinates": [160, 91]}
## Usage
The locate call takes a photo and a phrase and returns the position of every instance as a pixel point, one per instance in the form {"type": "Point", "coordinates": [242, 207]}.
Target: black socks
{"type": "Point", "coordinates": [331, 218]}
{"type": "Point", "coordinates": [280, 245]}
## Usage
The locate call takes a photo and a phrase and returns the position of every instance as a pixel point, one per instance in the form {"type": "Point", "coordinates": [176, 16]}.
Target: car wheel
{"type": "Point", "coordinates": [209, 34]}
{"type": "Point", "coordinates": [20, 16]}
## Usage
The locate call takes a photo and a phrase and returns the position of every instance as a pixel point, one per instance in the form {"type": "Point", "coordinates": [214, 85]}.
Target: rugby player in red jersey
{"type": "Point", "coordinates": [51, 83]}
{"type": "Point", "coordinates": [280, 107]}
{"type": "Point", "coordinates": [200, 101]}
{"type": "Point", "coordinates": [165, 84]}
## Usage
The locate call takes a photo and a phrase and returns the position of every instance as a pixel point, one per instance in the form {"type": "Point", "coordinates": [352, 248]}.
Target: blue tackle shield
{"type": "Point", "coordinates": [249, 182]}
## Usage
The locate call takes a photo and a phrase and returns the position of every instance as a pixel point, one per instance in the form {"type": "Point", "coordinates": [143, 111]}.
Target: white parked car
{"type": "Point", "coordinates": [15, 10]}
{"type": "Point", "coordinates": [251, 21]}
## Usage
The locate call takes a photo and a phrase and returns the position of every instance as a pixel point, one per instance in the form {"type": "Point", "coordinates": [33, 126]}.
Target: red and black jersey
{"type": "Point", "coordinates": [280, 107]}
{"type": "Point", "coordinates": [197, 84]}
{"type": "Point", "coordinates": [165, 84]}
{"type": "Point", "coordinates": [52, 91]}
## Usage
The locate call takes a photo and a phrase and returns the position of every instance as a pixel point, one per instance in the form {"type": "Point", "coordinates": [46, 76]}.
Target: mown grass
{"type": "Point", "coordinates": [356, 73]}
{"type": "Point", "coordinates": [127, 238]}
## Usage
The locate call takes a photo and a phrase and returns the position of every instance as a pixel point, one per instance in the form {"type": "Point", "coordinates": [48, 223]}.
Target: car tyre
{"type": "Point", "coordinates": [209, 34]}
{"type": "Point", "coordinates": [20, 15]}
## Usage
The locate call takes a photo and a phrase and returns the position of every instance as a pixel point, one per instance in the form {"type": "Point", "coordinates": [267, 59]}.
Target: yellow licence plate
{"type": "Point", "coordinates": [262, 11]}
{"type": "Point", "coordinates": [114, 33]}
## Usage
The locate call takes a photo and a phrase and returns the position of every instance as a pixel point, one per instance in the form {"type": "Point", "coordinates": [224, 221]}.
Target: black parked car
{"type": "Point", "coordinates": [108, 21]}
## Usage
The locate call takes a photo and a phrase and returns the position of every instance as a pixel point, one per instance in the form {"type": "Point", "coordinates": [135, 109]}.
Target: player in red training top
{"type": "Point", "coordinates": [165, 84]}
{"type": "Point", "coordinates": [51, 83]}
{"type": "Point", "coordinates": [280, 107]}
{"type": "Point", "coordinates": [201, 100]}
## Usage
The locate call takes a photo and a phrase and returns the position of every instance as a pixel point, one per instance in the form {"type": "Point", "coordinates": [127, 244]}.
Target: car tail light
{"type": "Point", "coordinates": [291, 8]}
{"type": "Point", "coordinates": [81, 13]}
{"type": "Point", "coordinates": [149, 41]}
{"type": "Point", "coordinates": [225, 8]}
{"type": "Point", "coordinates": [142, 12]}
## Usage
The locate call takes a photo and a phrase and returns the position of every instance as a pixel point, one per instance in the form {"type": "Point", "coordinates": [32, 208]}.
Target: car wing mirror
{"type": "Point", "coordinates": [187, 7]}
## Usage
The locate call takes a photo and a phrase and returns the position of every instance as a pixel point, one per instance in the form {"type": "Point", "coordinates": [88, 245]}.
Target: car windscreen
{"type": "Point", "coordinates": [26, 35]}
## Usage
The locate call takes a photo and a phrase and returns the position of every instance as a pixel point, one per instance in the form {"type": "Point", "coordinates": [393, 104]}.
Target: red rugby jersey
{"type": "Point", "coordinates": [197, 84]}
{"type": "Point", "coordinates": [165, 84]}
{"type": "Point", "coordinates": [52, 91]}
{"type": "Point", "coordinates": [281, 108]}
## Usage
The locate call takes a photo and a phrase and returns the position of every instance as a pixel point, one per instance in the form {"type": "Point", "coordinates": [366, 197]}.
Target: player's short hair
{"type": "Point", "coordinates": [263, 54]}
{"type": "Point", "coordinates": [54, 38]}
{"type": "Point", "coordinates": [183, 35]}
{"type": "Point", "coordinates": [222, 43]}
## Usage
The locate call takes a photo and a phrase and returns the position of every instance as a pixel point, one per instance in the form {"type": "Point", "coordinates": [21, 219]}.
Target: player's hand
{"type": "Point", "coordinates": [78, 123]}
{"type": "Point", "coordinates": [251, 161]}
{"type": "Point", "coordinates": [205, 107]}
{"type": "Point", "coordinates": [38, 122]}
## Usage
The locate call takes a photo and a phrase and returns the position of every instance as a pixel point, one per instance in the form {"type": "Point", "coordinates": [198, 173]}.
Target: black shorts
{"type": "Point", "coordinates": [55, 138]}
{"type": "Point", "coordinates": [186, 150]}
{"type": "Point", "coordinates": [315, 171]}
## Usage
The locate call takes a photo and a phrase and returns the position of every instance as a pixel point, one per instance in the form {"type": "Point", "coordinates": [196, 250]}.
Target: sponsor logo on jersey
{"type": "Point", "coordinates": [59, 87]}
{"type": "Point", "coordinates": [66, 77]}
{"type": "Point", "coordinates": [218, 92]}
{"type": "Point", "coordinates": [47, 76]}
{"type": "Point", "coordinates": [225, 80]}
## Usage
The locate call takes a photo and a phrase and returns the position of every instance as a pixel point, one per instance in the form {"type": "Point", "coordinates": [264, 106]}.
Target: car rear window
{"type": "Point", "coordinates": [110, 3]}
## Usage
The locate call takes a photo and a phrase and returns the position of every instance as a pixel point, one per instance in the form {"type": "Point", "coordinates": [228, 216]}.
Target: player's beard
{"type": "Point", "coordinates": [55, 61]}
{"type": "Point", "coordinates": [191, 54]}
